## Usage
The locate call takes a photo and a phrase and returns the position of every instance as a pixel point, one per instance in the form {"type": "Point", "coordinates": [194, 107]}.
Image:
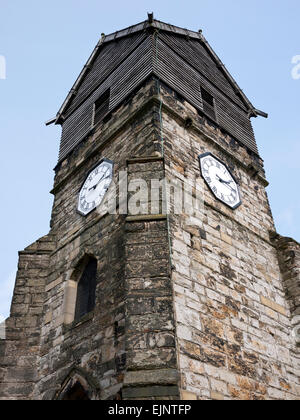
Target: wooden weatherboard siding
{"type": "Point", "coordinates": [179, 58]}
{"type": "Point", "coordinates": [122, 81]}
{"type": "Point", "coordinates": [110, 57]}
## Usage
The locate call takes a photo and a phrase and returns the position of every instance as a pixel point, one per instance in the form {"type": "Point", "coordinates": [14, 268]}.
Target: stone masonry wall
{"type": "Point", "coordinates": [42, 355]}
{"type": "Point", "coordinates": [233, 321]}
{"type": "Point", "coordinates": [19, 352]}
{"type": "Point", "coordinates": [289, 260]}
{"type": "Point", "coordinates": [186, 306]}
{"type": "Point", "coordinates": [150, 329]}
{"type": "Point", "coordinates": [111, 340]}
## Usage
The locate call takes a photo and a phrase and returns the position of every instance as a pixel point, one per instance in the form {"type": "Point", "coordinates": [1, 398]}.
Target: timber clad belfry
{"type": "Point", "coordinates": [161, 305]}
{"type": "Point", "coordinates": [180, 58]}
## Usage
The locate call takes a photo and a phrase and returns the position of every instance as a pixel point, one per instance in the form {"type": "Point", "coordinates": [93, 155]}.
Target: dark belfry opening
{"type": "Point", "coordinates": [86, 290]}
{"type": "Point", "coordinates": [101, 107]}
{"type": "Point", "coordinates": [208, 103]}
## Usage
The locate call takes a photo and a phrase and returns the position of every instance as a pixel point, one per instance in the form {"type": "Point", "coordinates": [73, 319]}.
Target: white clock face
{"type": "Point", "coordinates": [220, 180]}
{"type": "Point", "coordinates": [95, 187]}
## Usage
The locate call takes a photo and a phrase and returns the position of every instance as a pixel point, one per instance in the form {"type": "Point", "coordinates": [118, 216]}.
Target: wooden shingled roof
{"type": "Point", "coordinates": [180, 57]}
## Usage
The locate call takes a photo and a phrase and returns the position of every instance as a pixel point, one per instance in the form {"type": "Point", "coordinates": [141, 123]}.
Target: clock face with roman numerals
{"type": "Point", "coordinates": [95, 187]}
{"type": "Point", "coordinates": [220, 180]}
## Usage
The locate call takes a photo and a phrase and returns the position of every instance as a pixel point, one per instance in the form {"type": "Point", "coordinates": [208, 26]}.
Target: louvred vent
{"type": "Point", "coordinates": [101, 107]}
{"type": "Point", "coordinates": [208, 104]}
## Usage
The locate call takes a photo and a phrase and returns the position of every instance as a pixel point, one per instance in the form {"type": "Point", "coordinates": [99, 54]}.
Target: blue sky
{"type": "Point", "coordinates": [46, 44]}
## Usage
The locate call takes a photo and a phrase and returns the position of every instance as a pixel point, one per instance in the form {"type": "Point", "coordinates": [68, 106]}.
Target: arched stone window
{"type": "Point", "coordinates": [86, 290]}
{"type": "Point", "coordinates": [76, 393]}
{"type": "Point", "coordinates": [78, 386]}
{"type": "Point", "coordinates": [80, 291]}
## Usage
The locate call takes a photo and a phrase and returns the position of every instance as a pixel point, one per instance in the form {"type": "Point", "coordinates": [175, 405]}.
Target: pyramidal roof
{"type": "Point", "coordinates": [179, 58]}
{"type": "Point", "coordinates": [165, 27]}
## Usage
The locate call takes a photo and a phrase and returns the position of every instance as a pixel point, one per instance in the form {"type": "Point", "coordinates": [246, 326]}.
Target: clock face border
{"type": "Point", "coordinates": [86, 177]}
{"type": "Point", "coordinates": [231, 174]}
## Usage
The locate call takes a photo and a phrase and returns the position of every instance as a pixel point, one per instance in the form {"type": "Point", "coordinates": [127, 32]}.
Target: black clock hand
{"type": "Point", "coordinates": [227, 183]}
{"type": "Point", "coordinates": [102, 179]}
{"type": "Point", "coordinates": [223, 181]}
{"type": "Point", "coordinates": [96, 185]}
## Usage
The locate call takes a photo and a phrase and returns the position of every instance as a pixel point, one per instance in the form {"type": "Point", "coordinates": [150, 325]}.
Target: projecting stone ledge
{"type": "Point", "coordinates": [145, 217]}
{"type": "Point", "coordinates": [157, 383]}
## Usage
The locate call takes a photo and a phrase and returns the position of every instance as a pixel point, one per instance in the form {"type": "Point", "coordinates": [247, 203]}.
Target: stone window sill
{"type": "Point", "coordinates": [81, 321]}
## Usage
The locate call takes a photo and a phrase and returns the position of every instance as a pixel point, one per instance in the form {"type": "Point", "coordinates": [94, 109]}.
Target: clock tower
{"type": "Point", "coordinates": [162, 276]}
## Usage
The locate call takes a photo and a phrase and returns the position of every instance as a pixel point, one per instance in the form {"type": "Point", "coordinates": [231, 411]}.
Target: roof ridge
{"type": "Point", "coordinates": [155, 23]}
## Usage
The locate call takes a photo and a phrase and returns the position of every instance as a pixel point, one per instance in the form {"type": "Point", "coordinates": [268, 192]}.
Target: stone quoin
{"type": "Point", "coordinates": [201, 306]}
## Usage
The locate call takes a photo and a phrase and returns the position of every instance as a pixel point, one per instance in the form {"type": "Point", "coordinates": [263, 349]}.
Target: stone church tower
{"type": "Point", "coordinates": [161, 304]}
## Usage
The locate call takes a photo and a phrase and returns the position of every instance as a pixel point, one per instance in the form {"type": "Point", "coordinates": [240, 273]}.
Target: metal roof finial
{"type": "Point", "coordinates": [150, 18]}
